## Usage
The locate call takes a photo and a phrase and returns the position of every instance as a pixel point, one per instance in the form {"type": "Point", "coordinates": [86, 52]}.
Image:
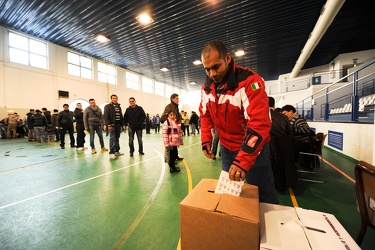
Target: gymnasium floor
{"type": "Point", "coordinates": [63, 199]}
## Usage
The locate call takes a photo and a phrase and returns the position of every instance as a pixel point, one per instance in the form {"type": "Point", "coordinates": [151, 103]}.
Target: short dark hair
{"type": "Point", "coordinates": [91, 99]}
{"type": "Point", "coordinates": [271, 101]}
{"type": "Point", "coordinates": [174, 95]}
{"type": "Point", "coordinates": [45, 109]}
{"type": "Point", "coordinates": [55, 110]}
{"type": "Point", "coordinates": [66, 105]}
{"type": "Point", "coordinates": [217, 45]}
{"type": "Point", "coordinates": [78, 103]}
{"type": "Point", "coordinates": [113, 95]}
{"type": "Point", "coordinates": [131, 98]}
{"type": "Point", "coordinates": [288, 108]}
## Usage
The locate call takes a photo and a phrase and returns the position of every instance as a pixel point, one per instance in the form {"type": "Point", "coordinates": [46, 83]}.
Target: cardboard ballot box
{"type": "Point", "coordinates": [219, 221]}
{"type": "Point", "coordinates": [297, 228]}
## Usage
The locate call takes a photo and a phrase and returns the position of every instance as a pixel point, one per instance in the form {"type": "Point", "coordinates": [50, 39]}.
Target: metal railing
{"type": "Point", "coordinates": [349, 99]}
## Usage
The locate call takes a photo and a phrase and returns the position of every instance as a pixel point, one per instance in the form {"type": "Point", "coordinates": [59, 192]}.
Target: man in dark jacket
{"type": "Point", "coordinates": [80, 128]}
{"type": "Point", "coordinates": [39, 122]}
{"type": "Point", "coordinates": [30, 126]}
{"type": "Point", "coordinates": [133, 118]}
{"type": "Point", "coordinates": [65, 123]}
{"type": "Point", "coordinates": [114, 121]}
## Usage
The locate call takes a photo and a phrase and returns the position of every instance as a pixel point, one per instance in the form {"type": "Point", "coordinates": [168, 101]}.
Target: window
{"type": "Point", "coordinates": [168, 90]}
{"type": "Point", "coordinates": [147, 85]}
{"type": "Point", "coordinates": [27, 51]}
{"type": "Point", "coordinates": [159, 88]}
{"type": "Point", "coordinates": [79, 65]}
{"type": "Point", "coordinates": [107, 73]}
{"type": "Point", "coordinates": [132, 81]}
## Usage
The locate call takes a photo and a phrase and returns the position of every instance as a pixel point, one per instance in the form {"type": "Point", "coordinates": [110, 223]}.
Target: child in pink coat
{"type": "Point", "coordinates": [172, 138]}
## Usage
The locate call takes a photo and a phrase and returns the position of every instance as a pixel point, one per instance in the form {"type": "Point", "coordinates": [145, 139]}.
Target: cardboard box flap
{"type": "Point", "coordinates": [239, 207]}
{"type": "Point", "coordinates": [206, 200]}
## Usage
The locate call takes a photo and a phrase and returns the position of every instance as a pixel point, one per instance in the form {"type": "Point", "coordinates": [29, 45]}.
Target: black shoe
{"type": "Point", "coordinates": [180, 158]}
{"type": "Point", "coordinates": [174, 169]}
{"type": "Point", "coordinates": [131, 155]}
{"type": "Point", "coordinates": [214, 158]}
{"type": "Point", "coordinates": [62, 147]}
{"type": "Point", "coordinates": [73, 146]}
{"type": "Point", "coordinates": [141, 153]}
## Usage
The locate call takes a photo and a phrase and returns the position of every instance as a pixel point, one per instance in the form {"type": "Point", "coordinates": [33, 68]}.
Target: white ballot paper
{"type": "Point", "coordinates": [226, 186]}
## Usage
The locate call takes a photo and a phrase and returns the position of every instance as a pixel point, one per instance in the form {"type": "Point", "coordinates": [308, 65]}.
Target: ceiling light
{"type": "Point", "coordinates": [197, 62]}
{"type": "Point", "coordinates": [144, 19]}
{"type": "Point", "coordinates": [164, 69]}
{"type": "Point", "coordinates": [193, 83]}
{"type": "Point", "coordinates": [239, 53]}
{"type": "Point", "coordinates": [102, 38]}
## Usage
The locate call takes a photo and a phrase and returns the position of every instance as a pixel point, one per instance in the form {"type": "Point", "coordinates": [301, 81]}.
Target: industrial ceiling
{"type": "Point", "coordinates": [272, 33]}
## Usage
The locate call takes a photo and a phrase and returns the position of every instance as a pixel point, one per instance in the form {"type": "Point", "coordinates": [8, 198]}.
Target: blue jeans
{"type": "Point", "coordinates": [39, 133]}
{"type": "Point", "coordinates": [260, 174]}
{"type": "Point", "coordinates": [114, 139]}
{"type": "Point", "coordinates": [98, 129]}
{"type": "Point", "coordinates": [131, 133]}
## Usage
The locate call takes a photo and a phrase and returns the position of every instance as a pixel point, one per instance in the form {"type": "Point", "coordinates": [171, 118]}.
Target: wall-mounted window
{"type": "Point", "coordinates": [28, 51]}
{"type": "Point", "coordinates": [132, 81]}
{"type": "Point", "coordinates": [79, 65]}
{"type": "Point", "coordinates": [107, 73]}
{"type": "Point", "coordinates": [147, 85]}
{"type": "Point", "coordinates": [159, 88]}
{"type": "Point", "coordinates": [168, 90]}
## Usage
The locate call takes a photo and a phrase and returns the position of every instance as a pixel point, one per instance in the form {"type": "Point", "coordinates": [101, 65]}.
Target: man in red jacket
{"type": "Point", "coordinates": [235, 102]}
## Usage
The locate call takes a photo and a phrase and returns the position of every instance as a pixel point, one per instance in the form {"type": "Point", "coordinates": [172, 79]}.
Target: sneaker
{"type": "Point", "coordinates": [119, 153]}
{"type": "Point", "coordinates": [93, 151]}
{"type": "Point", "coordinates": [104, 149]}
{"type": "Point", "coordinates": [112, 157]}
{"type": "Point", "coordinates": [79, 149]}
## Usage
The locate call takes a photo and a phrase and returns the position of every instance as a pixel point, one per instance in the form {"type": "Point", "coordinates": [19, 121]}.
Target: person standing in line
{"type": "Point", "coordinates": [194, 122]}
{"type": "Point", "coordinates": [173, 105]}
{"type": "Point", "coordinates": [11, 122]}
{"type": "Point", "coordinates": [148, 124]}
{"type": "Point", "coordinates": [156, 121]}
{"type": "Point", "coordinates": [48, 116]}
{"type": "Point", "coordinates": [80, 128]}
{"type": "Point", "coordinates": [133, 118]}
{"type": "Point", "coordinates": [54, 119]}
{"type": "Point", "coordinates": [93, 122]}
{"type": "Point", "coordinates": [65, 123]}
{"type": "Point", "coordinates": [182, 117]}
{"type": "Point", "coordinates": [30, 125]}
{"type": "Point", "coordinates": [234, 100]}
{"type": "Point", "coordinates": [186, 123]}
{"type": "Point", "coordinates": [114, 121]}
{"type": "Point", "coordinates": [172, 138]}
{"type": "Point", "coordinates": [39, 122]}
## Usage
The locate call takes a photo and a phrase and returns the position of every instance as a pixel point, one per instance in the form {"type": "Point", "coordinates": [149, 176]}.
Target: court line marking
{"type": "Point", "coordinates": [144, 210]}
{"type": "Point", "coordinates": [190, 187]}
{"type": "Point", "coordinates": [73, 184]}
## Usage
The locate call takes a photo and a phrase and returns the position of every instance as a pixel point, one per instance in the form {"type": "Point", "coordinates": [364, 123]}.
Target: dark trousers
{"type": "Point", "coordinates": [80, 135]}
{"type": "Point", "coordinates": [173, 157]}
{"type": "Point", "coordinates": [131, 133]}
{"type": "Point", "coordinates": [70, 129]}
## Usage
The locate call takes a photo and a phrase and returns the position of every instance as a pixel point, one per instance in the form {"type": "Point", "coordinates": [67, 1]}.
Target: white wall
{"type": "Point", "coordinates": [358, 139]}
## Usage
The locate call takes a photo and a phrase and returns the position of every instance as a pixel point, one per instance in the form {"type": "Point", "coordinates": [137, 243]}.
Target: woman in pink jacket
{"type": "Point", "coordinates": [172, 138]}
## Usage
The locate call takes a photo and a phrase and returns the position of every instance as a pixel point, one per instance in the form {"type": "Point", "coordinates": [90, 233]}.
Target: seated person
{"type": "Point", "coordinates": [302, 136]}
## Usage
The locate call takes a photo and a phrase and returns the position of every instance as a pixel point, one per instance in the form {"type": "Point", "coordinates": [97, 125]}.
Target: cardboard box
{"type": "Point", "coordinates": [219, 221]}
{"type": "Point", "coordinates": [297, 228]}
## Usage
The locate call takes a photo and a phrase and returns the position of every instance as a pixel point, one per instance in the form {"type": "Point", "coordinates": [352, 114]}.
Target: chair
{"type": "Point", "coordinates": [365, 190]}
{"type": "Point", "coordinates": [316, 174]}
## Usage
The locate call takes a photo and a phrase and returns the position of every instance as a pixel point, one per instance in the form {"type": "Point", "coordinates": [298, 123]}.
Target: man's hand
{"type": "Point", "coordinates": [110, 128]}
{"type": "Point", "coordinates": [236, 174]}
{"type": "Point", "coordinates": [207, 152]}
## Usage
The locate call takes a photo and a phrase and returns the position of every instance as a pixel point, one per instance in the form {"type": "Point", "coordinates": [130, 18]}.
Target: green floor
{"type": "Point", "coordinates": [63, 199]}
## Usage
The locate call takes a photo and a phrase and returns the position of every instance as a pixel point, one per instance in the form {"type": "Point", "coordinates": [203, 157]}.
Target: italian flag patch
{"type": "Point", "coordinates": [255, 86]}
